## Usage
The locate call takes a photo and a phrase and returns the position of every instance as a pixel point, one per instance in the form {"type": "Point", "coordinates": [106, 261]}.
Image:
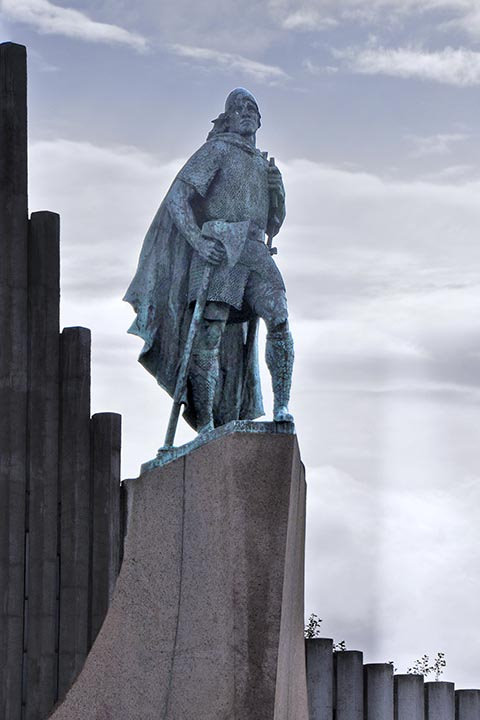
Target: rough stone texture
{"type": "Point", "coordinates": [13, 369]}
{"type": "Point", "coordinates": [378, 691]}
{"type": "Point", "coordinates": [167, 454]}
{"type": "Point", "coordinates": [349, 685]}
{"type": "Point", "coordinates": [196, 628]}
{"type": "Point", "coordinates": [467, 704]}
{"type": "Point", "coordinates": [409, 697]}
{"type": "Point", "coordinates": [40, 683]}
{"type": "Point", "coordinates": [439, 701]}
{"type": "Point", "coordinates": [106, 429]}
{"type": "Point", "coordinates": [319, 653]}
{"type": "Point", "coordinates": [75, 524]}
{"type": "Point", "coordinates": [291, 702]}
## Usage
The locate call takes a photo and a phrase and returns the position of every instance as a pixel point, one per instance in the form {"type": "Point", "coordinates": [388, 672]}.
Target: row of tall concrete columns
{"type": "Point", "coordinates": [340, 686]}
{"type": "Point", "coordinates": [59, 468]}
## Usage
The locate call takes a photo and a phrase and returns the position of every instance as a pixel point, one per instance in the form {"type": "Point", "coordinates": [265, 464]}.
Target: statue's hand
{"type": "Point", "coordinates": [211, 250]}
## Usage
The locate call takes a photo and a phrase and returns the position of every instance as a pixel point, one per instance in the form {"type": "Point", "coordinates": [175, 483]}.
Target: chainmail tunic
{"type": "Point", "coordinates": [231, 179]}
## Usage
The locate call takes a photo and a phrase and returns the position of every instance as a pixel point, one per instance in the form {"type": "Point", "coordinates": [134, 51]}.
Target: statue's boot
{"type": "Point", "coordinates": [203, 377]}
{"type": "Point", "coordinates": [279, 355]}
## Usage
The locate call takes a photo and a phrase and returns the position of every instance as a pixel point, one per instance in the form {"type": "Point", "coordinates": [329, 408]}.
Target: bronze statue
{"type": "Point", "coordinates": [206, 249]}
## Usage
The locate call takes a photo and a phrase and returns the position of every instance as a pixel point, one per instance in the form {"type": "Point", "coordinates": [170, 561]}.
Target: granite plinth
{"type": "Point", "coordinates": [166, 454]}
{"type": "Point", "coordinates": [206, 621]}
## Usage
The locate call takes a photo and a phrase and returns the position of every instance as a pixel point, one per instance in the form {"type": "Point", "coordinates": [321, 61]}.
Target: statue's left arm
{"type": "Point", "coordinates": [276, 214]}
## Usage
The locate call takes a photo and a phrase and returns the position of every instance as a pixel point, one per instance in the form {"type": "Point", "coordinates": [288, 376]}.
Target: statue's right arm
{"type": "Point", "coordinates": [180, 206]}
{"type": "Point", "coordinates": [180, 201]}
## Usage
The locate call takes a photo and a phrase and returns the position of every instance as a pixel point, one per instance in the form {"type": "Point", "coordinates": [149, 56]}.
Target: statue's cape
{"type": "Point", "coordinates": [159, 295]}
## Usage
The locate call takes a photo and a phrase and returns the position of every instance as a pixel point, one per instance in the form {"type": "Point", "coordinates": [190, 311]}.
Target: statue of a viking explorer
{"type": "Point", "coordinates": [206, 249]}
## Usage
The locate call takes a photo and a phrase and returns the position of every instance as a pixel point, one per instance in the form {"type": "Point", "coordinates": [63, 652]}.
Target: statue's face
{"type": "Point", "coordinates": [244, 119]}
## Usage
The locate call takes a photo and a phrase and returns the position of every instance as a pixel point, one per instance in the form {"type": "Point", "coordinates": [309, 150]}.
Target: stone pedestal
{"type": "Point", "coordinates": [206, 621]}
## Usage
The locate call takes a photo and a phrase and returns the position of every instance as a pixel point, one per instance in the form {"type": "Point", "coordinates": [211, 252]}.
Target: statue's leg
{"type": "Point", "coordinates": [270, 303]}
{"type": "Point", "coordinates": [204, 367]}
{"type": "Point", "coordinates": [279, 355]}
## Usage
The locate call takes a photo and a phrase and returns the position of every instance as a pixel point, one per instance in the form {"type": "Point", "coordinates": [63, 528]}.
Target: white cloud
{"type": "Point", "coordinates": [443, 539]}
{"type": "Point", "coordinates": [438, 144]}
{"type": "Point", "coordinates": [307, 19]}
{"type": "Point", "coordinates": [451, 66]}
{"type": "Point", "coordinates": [451, 173]}
{"type": "Point", "coordinates": [53, 19]}
{"type": "Point", "coordinates": [225, 25]}
{"type": "Point", "coordinates": [469, 22]}
{"type": "Point", "coordinates": [341, 587]}
{"type": "Point", "coordinates": [321, 14]}
{"type": "Point", "coordinates": [231, 61]}
{"type": "Point", "coordinates": [386, 286]}
{"type": "Point", "coordinates": [389, 560]}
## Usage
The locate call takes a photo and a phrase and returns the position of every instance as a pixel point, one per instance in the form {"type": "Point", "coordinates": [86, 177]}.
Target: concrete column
{"type": "Point", "coordinates": [40, 681]}
{"type": "Point", "coordinates": [13, 370]}
{"type": "Point", "coordinates": [378, 692]}
{"type": "Point", "coordinates": [105, 464]}
{"type": "Point", "coordinates": [206, 620]}
{"type": "Point", "coordinates": [467, 704]}
{"type": "Point", "coordinates": [75, 522]}
{"type": "Point", "coordinates": [319, 657]}
{"type": "Point", "coordinates": [349, 685]}
{"type": "Point", "coordinates": [409, 701]}
{"type": "Point", "coordinates": [439, 701]}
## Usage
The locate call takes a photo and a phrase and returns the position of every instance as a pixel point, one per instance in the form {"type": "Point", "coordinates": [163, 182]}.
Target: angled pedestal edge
{"type": "Point", "coordinates": [206, 619]}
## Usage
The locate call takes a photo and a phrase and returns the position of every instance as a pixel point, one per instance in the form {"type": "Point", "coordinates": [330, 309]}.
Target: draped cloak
{"type": "Point", "coordinates": [159, 295]}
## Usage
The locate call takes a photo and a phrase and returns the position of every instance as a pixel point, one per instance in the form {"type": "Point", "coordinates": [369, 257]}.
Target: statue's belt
{"type": "Point", "coordinates": [256, 233]}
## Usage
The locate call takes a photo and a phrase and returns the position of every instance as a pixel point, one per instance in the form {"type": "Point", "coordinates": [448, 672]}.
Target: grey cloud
{"type": "Point", "coordinates": [226, 26]}
{"type": "Point", "coordinates": [451, 66]}
{"type": "Point", "coordinates": [438, 144]}
{"type": "Point", "coordinates": [318, 14]}
{"type": "Point", "coordinates": [231, 62]}
{"type": "Point", "coordinates": [53, 19]}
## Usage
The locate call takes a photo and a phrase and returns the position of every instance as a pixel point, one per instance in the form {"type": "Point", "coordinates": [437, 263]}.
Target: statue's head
{"type": "Point", "coordinates": [241, 115]}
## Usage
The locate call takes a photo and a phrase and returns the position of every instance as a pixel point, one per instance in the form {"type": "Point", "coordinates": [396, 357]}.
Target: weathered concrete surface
{"type": "Point", "coordinates": [378, 691]}
{"type": "Point", "coordinates": [40, 685]}
{"type": "Point", "coordinates": [319, 654]}
{"type": "Point", "coordinates": [439, 701]}
{"type": "Point", "coordinates": [409, 697]}
{"type": "Point", "coordinates": [75, 521]}
{"type": "Point", "coordinates": [13, 369]}
{"type": "Point", "coordinates": [467, 704]}
{"type": "Point", "coordinates": [196, 628]}
{"type": "Point", "coordinates": [105, 446]}
{"type": "Point", "coordinates": [349, 685]}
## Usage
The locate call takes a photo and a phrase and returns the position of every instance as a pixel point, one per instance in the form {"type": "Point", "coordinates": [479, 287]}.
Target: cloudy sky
{"type": "Point", "coordinates": [371, 109]}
